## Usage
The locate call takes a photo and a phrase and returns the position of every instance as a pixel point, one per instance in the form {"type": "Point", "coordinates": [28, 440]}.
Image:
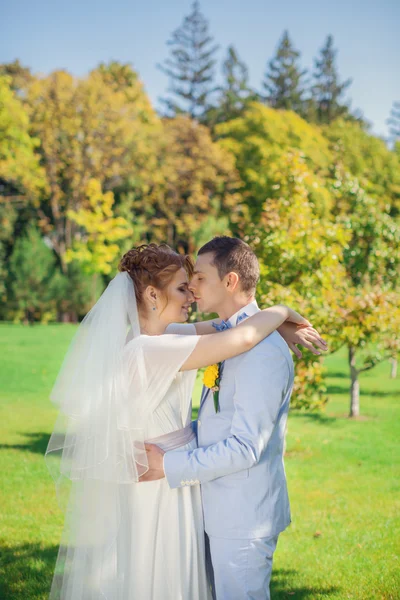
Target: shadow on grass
{"type": "Point", "coordinates": [281, 588]}
{"type": "Point", "coordinates": [338, 389]}
{"type": "Point", "coordinates": [35, 442]}
{"type": "Point", "coordinates": [364, 391]}
{"type": "Point", "coordinates": [377, 393]}
{"type": "Point", "coordinates": [338, 374]}
{"type": "Point", "coordinates": [26, 571]}
{"type": "Point", "coordinates": [317, 417]}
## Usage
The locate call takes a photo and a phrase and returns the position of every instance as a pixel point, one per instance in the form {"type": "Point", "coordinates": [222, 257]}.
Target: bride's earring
{"type": "Point", "coordinates": [154, 307]}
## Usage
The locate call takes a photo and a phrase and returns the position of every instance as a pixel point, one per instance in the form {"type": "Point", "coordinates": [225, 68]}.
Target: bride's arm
{"type": "Point", "coordinates": [206, 327]}
{"type": "Point", "coordinates": [220, 346]}
{"type": "Point", "coordinates": [292, 333]}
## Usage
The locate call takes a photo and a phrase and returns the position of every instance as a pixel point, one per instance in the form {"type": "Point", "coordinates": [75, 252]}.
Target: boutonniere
{"type": "Point", "coordinates": [212, 380]}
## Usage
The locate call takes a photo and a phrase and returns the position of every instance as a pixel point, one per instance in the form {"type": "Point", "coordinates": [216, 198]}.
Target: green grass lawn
{"type": "Point", "coordinates": [344, 481]}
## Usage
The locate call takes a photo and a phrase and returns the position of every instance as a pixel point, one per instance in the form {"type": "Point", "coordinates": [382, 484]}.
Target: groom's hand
{"type": "Point", "coordinates": [155, 458]}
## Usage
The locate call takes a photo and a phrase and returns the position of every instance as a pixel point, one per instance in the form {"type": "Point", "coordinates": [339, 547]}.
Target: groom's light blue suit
{"type": "Point", "coordinates": [239, 464]}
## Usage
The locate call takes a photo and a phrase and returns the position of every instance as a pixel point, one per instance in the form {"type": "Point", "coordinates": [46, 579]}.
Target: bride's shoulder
{"type": "Point", "coordinates": [173, 341]}
{"type": "Point", "coordinates": [134, 344]}
{"type": "Point", "coordinates": [146, 342]}
{"type": "Point", "coordinates": [181, 329]}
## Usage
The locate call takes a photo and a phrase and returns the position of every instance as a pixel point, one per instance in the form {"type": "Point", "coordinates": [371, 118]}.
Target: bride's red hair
{"type": "Point", "coordinates": [153, 264]}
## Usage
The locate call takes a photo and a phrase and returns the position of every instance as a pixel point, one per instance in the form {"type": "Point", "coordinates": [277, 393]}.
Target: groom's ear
{"type": "Point", "coordinates": [232, 281]}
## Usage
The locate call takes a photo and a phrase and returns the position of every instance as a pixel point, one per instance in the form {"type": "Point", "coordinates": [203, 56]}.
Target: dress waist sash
{"type": "Point", "coordinates": [175, 439]}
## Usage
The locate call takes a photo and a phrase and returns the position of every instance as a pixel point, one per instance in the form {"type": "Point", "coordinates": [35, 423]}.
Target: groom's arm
{"type": "Point", "coordinates": [260, 382]}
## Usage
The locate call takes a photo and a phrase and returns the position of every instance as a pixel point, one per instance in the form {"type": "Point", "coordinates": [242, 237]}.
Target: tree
{"type": "Point", "coordinates": [373, 171]}
{"type": "Point", "coordinates": [283, 80]}
{"type": "Point", "coordinates": [20, 76]}
{"type": "Point", "coordinates": [367, 158]}
{"type": "Point", "coordinates": [87, 130]}
{"type": "Point", "coordinates": [259, 139]}
{"type": "Point", "coordinates": [79, 292]}
{"type": "Point", "coordinates": [300, 254]}
{"type": "Point", "coordinates": [98, 246]}
{"type": "Point", "coordinates": [368, 306]}
{"type": "Point", "coordinates": [327, 90]}
{"type": "Point", "coordinates": [191, 66]}
{"type": "Point", "coordinates": [8, 217]}
{"type": "Point", "coordinates": [324, 241]}
{"type": "Point", "coordinates": [121, 77]}
{"type": "Point", "coordinates": [195, 188]}
{"type": "Point", "coordinates": [20, 173]}
{"type": "Point", "coordinates": [235, 94]}
{"type": "Point", "coordinates": [21, 177]}
{"type": "Point", "coordinates": [36, 285]}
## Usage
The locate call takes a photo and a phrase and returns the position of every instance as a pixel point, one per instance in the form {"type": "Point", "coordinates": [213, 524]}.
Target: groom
{"type": "Point", "coordinates": [245, 510]}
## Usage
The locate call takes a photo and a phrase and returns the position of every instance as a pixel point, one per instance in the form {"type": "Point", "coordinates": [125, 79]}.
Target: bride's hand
{"type": "Point", "coordinates": [304, 335]}
{"type": "Point", "coordinates": [295, 317]}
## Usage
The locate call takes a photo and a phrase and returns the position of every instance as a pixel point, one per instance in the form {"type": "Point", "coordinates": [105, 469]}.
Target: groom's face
{"type": "Point", "coordinates": [208, 289]}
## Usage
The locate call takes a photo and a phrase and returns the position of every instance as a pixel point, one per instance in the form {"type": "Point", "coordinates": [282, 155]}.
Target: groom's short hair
{"type": "Point", "coordinates": [232, 254]}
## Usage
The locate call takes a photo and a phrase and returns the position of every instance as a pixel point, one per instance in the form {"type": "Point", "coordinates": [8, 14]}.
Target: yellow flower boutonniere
{"type": "Point", "coordinates": [212, 380]}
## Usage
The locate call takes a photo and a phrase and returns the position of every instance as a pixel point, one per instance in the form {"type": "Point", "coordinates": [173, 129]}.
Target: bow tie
{"type": "Point", "coordinates": [222, 326]}
{"type": "Point", "coordinates": [226, 325]}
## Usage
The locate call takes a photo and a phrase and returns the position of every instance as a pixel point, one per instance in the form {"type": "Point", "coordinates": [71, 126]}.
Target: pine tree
{"type": "Point", "coordinates": [283, 81]}
{"type": "Point", "coordinates": [34, 282]}
{"type": "Point", "coordinates": [234, 94]}
{"type": "Point", "coordinates": [191, 66]}
{"type": "Point", "coordinates": [327, 90]}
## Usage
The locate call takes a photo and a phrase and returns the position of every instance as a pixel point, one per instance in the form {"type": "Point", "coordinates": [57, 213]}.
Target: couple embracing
{"type": "Point", "coordinates": [160, 507]}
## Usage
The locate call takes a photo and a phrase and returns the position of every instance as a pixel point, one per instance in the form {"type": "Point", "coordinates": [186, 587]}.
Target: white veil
{"type": "Point", "coordinates": [97, 444]}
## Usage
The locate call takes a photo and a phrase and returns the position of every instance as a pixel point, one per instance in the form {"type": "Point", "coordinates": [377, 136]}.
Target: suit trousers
{"type": "Point", "coordinates": [240, 569]}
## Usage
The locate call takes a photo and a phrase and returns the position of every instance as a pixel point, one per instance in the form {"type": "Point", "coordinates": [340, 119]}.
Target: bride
{"type": "Point", "coordinates": [127, 379]}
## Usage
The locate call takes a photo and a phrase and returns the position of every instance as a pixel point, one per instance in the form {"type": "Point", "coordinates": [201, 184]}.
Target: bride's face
{"type": "Point", "coordinates": [178, 299]}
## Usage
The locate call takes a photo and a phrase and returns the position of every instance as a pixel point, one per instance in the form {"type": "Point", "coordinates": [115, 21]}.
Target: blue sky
{"type": "Point", "coordinates": [48, 34]}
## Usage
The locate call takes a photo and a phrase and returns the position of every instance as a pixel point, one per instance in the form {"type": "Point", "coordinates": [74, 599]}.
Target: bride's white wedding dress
{"type": "Point", "coordinates": [161, 546]}
{"type": "Point", "coordinates": [125, 540]}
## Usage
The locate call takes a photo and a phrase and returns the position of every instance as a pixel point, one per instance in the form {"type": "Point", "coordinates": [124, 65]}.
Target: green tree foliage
{"type": "Point", "coordinates": [80, 291]}
{"type": "Point", "coordinates": [90, 163]}
{"type": "Point", "coordinates": [191, 66]}
{"type": "Point", "coordinates": [283, 83]}
{"type": "Point", "coordinates": [300, 253]}
{"type": "Point", "coordinates": [196, 186]}
{"type": "Point", "coordinates": [21, 177]}
{"type": "Point", "coordinates": [20, 76]}
{"type": "Point", "coordinates": [326, 242]}
{"type": "Point", "coordinates": [260, 138]}
{"type": "Point", "coordinates": [327, 90]}
{"type": "Point", "coordinates": [90, 128]}
{"type": "Point", "coordinates": [98, 247]}
{"type": "Point", "coordinates": [368, 305]}
{"type": "Point", "coordinates": [369, 159]}
{"type": "Point", "coordinates": [35, 284]}
{"type": "Point", "coordinates": [20, 173]}
{"type": "Point", "coordinates": [234, 95]}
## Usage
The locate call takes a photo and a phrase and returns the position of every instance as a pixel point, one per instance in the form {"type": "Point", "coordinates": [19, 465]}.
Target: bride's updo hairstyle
{"type": "Point", "coordinates": [152, 264]}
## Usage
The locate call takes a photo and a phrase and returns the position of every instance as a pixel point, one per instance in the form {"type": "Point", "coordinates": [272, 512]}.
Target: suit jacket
{"type": "Point", "coordinates": [239, 461]}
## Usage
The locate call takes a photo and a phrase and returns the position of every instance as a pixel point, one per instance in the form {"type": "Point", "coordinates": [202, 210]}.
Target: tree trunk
{"type": "Point", "coordinates": [355, 384]}
{"type": "Point", "coordinates": [393, 368]}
